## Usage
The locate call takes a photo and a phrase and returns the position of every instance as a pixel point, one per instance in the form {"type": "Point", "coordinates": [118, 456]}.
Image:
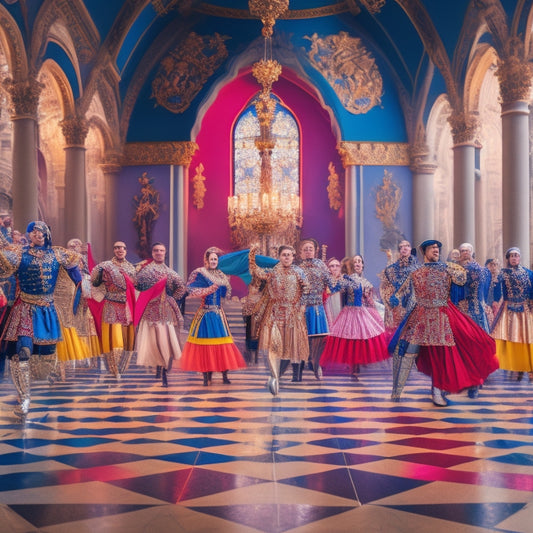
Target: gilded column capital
{"type": "Point", "coordinates": [75, 130]}
{"type": "Point", "coordinates": [159, 153]}
{"type": "Point", "coordinates": [24, 97]}
{"type": "Point", "coordinates": [514, 74]}
{"type": "Point", "coordinates": [373, 153]}
{"type": "Point", "coordinates": [419, 159]}
{"type": "Point", "coordinates": [464, 127]}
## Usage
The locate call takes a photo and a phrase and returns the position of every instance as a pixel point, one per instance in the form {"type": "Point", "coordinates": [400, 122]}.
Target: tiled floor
{"type": "Point", "coordinates": [96, 455]}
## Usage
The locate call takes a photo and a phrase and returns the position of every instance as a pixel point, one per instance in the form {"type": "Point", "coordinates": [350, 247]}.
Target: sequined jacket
{"type": "Point", "coordinates": [36, 270]}
{"type": "Point", "coordinates": [112, 274]}
{"type": "Point", "coordinates": [164, 307]}
{"type": "Point", "coordinates": [319, 278]}
{"type": "Point", "coordinates": [279, 314]}
{"type": "Point", "coordinates": [392, 278]}
{"type": "Point", "coordinates": [470, 297]}
{"type": "Point", "coordinates": [514, 321]}
{"type": "Point", "coordinates": [427, 324]}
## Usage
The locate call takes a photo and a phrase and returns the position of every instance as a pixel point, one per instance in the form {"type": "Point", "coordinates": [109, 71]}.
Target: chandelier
{"type": "Point", "coordinates": [271, 210]}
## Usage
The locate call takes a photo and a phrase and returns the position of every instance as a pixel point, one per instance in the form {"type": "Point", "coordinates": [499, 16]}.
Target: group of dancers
{"type": "Point", "coordinates": [61, 306]}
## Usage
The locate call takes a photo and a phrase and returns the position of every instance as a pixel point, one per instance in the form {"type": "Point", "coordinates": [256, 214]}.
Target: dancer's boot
{"type": "Point", "coordinates": [437, 395]}
{"type": "Point", "coordinates": [401, 368]}
{"type": "Point", "coordinates": [20, 373]}
{"type": "Point", "coordinates": [295, 372]}
{"type": "Point", "coordinates": [225, 377]}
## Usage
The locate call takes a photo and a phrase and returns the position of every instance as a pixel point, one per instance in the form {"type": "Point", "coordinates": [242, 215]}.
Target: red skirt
{"type": "Point", "coordinates": [467, 364]}
{"type": "Point", "coordinates": [211, 358]}
{"type": "Point", "coordinates": [354, 351]}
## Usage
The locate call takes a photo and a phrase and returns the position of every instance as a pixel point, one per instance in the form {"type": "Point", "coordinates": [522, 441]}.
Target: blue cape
{"type": "Point", "coordinates": [236, 264]}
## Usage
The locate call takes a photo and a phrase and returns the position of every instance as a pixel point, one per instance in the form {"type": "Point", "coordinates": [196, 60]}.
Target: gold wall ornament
{"type": "Point", "coordinates": [184, 71]}
{"type": "Point", "coordinates": [347, 6]}
{"type": "Point", "coordinates": [75, 130]}
{"type": "Point", "coordinates": [199, 187]}
{"type": "Point", "coordinates": [147, 207]}
{"type": "Point", "coordinates": [373, 154]}
{"type": "Point", "coordinates": [388, 197]}
{"type": "Point", "coordinates": [373, 6]}
{"type": "Point", "coordinates": [24, 96]}
{"type": "Point", "coordinates": [334, 191]}
{"type": "Point", "coordinates": [350, 70]}
{"type": "Point", "coordinates": [268, 11]}
{"type": "Point", "coordinates": [159, 153]}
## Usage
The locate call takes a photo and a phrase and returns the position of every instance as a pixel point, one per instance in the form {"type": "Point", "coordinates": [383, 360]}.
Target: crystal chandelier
{"type": "Point", "coordinates": [271, 210]}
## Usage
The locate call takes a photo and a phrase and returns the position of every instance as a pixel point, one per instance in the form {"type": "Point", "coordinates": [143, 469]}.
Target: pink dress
{"type": "Point", "coordinates": [358, 335]}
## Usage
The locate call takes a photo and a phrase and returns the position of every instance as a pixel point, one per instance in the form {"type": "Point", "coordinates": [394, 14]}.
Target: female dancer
{"type": "Point", "coordinates": [210, 347]}
{"type": "Point", "coordinates": [333, 301]}
{"type": "Point", "coordinates": [358, 334]}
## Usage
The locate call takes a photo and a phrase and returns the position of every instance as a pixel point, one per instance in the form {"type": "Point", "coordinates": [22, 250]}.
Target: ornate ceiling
{"type": "Point", "coordinates": [422, 47]}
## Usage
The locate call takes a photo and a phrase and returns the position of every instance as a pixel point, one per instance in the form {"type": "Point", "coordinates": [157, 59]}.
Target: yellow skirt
{"type": "Point", "coordinates": [73, 347]}
{"type": "Point", "coordinates": [515, 356]}
{"type": "Point", "coordinates": [117, 336]}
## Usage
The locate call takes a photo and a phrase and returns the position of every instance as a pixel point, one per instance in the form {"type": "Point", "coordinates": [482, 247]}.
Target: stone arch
{"type": "Point", "coordinates": [12, 44]}
{"type": "Point", "coordinates": [56, 102]}
{"type": "Point", "coordinates": [439, 140]}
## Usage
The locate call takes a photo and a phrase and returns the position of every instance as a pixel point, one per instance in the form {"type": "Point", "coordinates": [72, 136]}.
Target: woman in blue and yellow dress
{"type": "Point", "coordinates": [210, 347]}
{"type": "Point", "coordinates": [513, 325]}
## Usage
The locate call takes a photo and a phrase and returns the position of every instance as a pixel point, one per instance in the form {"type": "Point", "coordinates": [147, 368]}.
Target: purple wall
{"type": "Point", "coordinates": [128, 187]}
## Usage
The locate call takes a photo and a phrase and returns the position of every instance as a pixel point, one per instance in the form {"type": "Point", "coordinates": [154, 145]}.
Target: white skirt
{"type": "Point", "coordinates": [157, 344]}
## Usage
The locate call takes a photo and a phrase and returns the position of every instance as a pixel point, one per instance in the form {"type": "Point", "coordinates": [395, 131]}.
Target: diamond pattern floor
{"type": "Point", "coordinates": [337, 456]}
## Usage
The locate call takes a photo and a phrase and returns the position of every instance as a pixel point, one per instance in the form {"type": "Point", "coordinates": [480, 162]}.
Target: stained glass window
{"type": "Point", "coordinates": [285, 156]}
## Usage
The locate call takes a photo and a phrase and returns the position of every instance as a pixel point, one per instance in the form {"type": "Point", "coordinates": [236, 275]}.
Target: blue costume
{"type": "Point", "coordinates": [319, 279]}
{"type": "Point", "coordinates": [210, 347]}
{"type": "Point", "coordinates": [470, 298]}
{"type": "Point", "coordinates": [33, 322]}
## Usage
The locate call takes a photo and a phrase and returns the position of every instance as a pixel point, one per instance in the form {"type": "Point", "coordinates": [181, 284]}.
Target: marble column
{"type": "Point", "coordinates": [464, 127]}
{"type": "Point", "coordinates": [179, 208]}
{"type": "Point", "coordinates": [423, 194]}
{"type": "Point", "coordinates": [351, 244]}
{"type": "Point", "coordinates": [24, 97]}
{"type": "Point", "coordinates": [75, 130]}
{"type": "Point", "coordinates": [515, 82]}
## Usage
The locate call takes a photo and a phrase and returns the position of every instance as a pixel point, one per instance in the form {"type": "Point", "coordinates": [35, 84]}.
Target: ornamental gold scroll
{"type": "Point", "coordinates": [184, 71]}
{"type": "Point", "coordinates": [350, 70]}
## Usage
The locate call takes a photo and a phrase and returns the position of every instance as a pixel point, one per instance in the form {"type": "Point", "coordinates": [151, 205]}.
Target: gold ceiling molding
{"type": "Point", "coordinates": [349, 68]}
{"type": "Point", "coordinates": [183, 71]}
{"type": "Point", "coordinates": [159, 153]}
{"type": "Point", "coordinates": [292, 14]}
{"type": "Point", "coordinates": [373, 153]}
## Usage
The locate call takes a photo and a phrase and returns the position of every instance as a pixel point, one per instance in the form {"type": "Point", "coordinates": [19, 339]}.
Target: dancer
{"type": "Point", "coordinates": [452, 349]}
{"type": "Point", "coordinates": [357, 336]}
{"type": "Point", "coordinates": [333, 301]}
{"type": "Point", "coordinates": [33, 322]}
{"type": "Point", "coordinates": [157, 315]}
{"type": "Point", "coordinates": [470, 297]}
{"type": "Point", "coordinates": [117, 332]}
{"type": "Point", "coordinates": [210, 347]}
{"type": "Point", "coordinates": [392, 278]}
{"type": "Point", "coordinates": [513, 325]}
{"type": "Point", "coordinates": [319, 279]}
{"type": "Point", "coordinates": [280, 315]}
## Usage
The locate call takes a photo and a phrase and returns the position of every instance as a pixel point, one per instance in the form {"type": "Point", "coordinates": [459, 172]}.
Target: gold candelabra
{"type": "Point", "coordinates": [271, 210]}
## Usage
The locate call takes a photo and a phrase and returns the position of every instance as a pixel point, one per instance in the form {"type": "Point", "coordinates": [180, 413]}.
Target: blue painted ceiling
{"type": "Point", "coordinates": [398, 34]}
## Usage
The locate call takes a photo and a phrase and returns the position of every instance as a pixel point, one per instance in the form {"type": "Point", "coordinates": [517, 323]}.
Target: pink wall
{"type": "Point", "coordinates": [208, 226]}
